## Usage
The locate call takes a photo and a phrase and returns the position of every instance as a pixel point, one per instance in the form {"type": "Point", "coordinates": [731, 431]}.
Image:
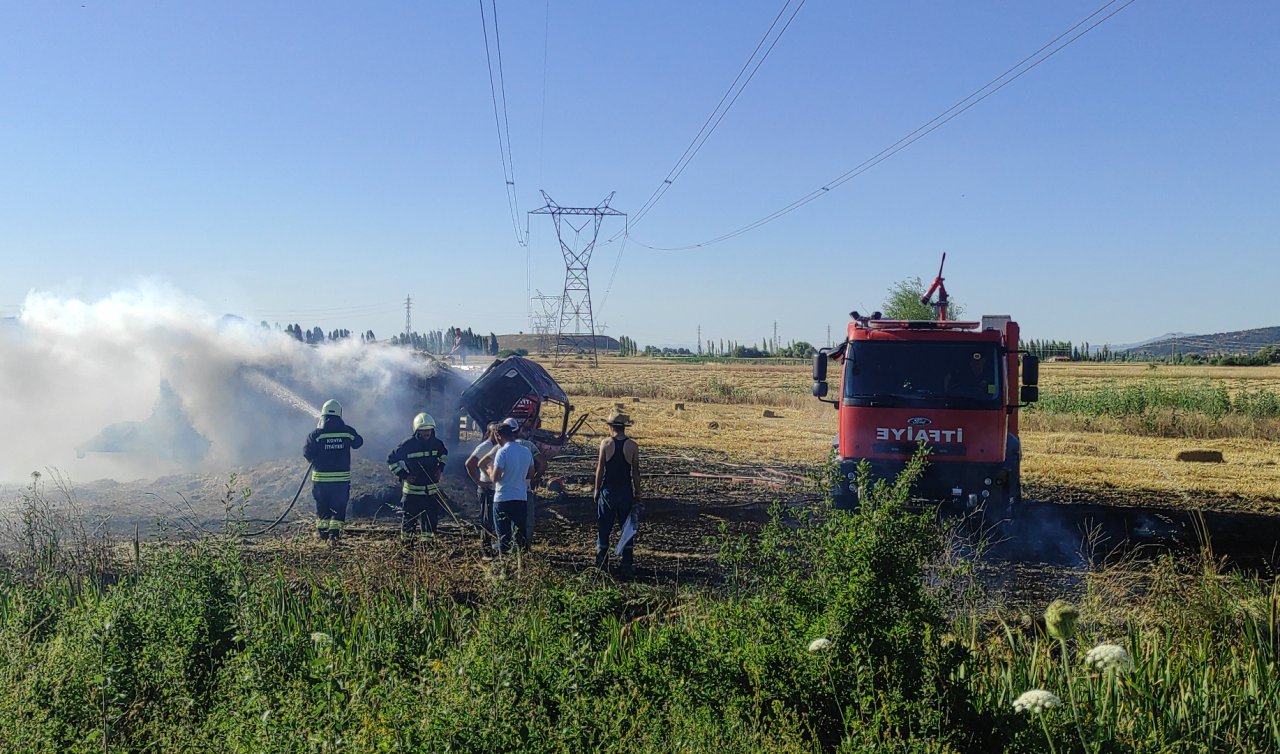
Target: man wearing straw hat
{"type": "Point", "coordinates": [617, 493]}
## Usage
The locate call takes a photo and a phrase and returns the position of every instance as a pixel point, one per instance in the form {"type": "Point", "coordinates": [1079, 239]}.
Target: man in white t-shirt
{"type": "Point", "coordinates": [484, 484]}
{"type": "Point", "coordinates": [539, 466]}
{"type": "Point", "coordinates": [511, 467]}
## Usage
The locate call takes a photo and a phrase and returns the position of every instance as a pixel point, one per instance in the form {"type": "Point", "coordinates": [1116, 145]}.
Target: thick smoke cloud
{"type": "Point", "coordinates": [148, 382]}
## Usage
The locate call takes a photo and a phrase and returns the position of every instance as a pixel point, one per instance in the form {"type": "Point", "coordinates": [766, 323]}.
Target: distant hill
{"type": "Point", "coordinates": [1157, 339]}
{"type": "Point", "coordinates": [539, 344]}
{"type": "Point", "coordinates": [1217, 344]}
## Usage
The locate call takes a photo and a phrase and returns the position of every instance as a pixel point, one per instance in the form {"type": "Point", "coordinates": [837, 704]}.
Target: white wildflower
{"type": "Point", "coordinates": [819, 645]}
{"type": "Point", "coordinates": [1108, 657]}
{"type": "Point", "coordinates": [1036, 700]}
{"type": "Point", "coordinates": [321, 639]}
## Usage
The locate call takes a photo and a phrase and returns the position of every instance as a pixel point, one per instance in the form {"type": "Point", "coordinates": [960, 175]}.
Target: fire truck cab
{"type": "Point", "coordinates": [953, 387]}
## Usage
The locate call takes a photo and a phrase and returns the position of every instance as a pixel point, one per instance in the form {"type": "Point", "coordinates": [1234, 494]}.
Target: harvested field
{"type": "Point", "coordinates": [717, 464]}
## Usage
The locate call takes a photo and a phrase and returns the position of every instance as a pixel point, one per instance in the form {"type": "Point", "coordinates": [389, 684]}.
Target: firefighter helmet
{"type": "Point", "coordinates": [331, 408]}
{"type": "Point", "coordinates": [423, 421]}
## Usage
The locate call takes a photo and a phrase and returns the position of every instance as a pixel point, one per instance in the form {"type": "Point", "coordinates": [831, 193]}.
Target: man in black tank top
{"type": "Point", "coordinates": [617, 493]}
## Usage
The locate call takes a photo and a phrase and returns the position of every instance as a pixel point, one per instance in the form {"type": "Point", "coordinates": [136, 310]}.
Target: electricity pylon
{"type": "Point", "coordinates": [576, 333]}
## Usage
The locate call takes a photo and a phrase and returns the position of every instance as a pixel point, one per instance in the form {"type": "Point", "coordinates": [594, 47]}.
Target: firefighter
{"type": "Point", "coordinates": [328, 448]}
{"type": "Point", "coordinates": [617, 493]}
{"type": "Point", "coordinates": [419, 464]}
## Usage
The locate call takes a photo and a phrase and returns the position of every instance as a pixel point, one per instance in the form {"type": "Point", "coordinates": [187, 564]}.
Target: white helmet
{"type": "Point", "coordinates": [423, 421]}
{"type": "Point", "coordinates": [331, 408]}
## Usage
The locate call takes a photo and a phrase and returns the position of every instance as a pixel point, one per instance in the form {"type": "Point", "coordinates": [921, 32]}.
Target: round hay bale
{"type": "Point", "coordinates": [679, 407]}
{"type": "Point", "coordinates": [1200, 456]}
{"type": "Point", "coordinates": [635, 399]}
{"type": "Point", "coordinates": [770, 414]}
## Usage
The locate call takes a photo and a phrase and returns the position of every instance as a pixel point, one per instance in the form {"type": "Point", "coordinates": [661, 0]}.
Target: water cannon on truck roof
{"type": "Point", "coordinates": [954, 387]}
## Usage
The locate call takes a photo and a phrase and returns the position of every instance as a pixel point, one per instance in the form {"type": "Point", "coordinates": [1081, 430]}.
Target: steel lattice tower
{"type": "Point", "coordinates": [577, 329]}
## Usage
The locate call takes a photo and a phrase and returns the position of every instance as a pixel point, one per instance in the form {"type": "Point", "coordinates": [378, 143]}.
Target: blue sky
{"type": "Point", "coordinates": [317, 162]}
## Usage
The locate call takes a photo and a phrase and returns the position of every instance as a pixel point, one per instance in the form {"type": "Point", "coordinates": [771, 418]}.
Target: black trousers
{"type": "Point", "coordinates": [421, 512]}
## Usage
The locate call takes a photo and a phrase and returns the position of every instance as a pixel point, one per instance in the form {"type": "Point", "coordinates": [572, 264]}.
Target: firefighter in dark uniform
{"type": "Point", "coordinates": [328, 448]}
{"type": "Point", "coordinates": [419, 463]}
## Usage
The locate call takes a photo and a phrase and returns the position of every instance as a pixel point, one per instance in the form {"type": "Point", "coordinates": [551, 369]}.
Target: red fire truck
{"type": "Point", "coordinates": [952, 386]}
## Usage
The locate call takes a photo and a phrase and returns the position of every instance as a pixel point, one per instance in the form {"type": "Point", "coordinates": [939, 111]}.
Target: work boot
{"type": "Point", "coordinates": [627, 569]}
{"type": "Point", "coordinates": [322, 529]}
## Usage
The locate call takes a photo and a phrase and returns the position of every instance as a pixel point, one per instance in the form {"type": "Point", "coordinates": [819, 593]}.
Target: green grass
{"type": "Point", "coordinates": [200, 647]}
{"type": "Point", "coordinates": [1160, 408]}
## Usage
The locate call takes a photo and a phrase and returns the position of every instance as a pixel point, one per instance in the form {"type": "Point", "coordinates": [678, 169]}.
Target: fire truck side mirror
{"type": "Point", "coordinates": [1030, 393]}
{"type": "Point", "coordinates": [820, 366]}
{"type": "Point", "coordinates": [820, 374]}
{"type": "Point", "coordinates": [1030, 370]}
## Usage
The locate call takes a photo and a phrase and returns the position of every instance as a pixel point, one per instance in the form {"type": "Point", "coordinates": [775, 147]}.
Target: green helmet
{"type": "Point", "coordinates": [423, 421]}
{"type": "Point", "coordinates": [331, 408]}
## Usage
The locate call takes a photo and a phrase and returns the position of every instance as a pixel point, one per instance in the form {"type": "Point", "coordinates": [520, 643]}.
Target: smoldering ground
{"type": "Point", "coordinates": [147, 382]}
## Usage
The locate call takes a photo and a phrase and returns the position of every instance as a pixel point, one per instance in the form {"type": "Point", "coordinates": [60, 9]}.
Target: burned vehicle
{"type": "Point", "coordinates": [522, 389]}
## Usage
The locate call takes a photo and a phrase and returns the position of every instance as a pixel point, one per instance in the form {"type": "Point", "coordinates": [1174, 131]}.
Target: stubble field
{"type": "Point", "coordinates": [1093, 450]}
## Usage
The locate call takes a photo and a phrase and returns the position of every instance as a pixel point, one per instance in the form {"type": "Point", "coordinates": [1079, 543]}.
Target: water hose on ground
{"type": "Point", "coordinates": [305, 476]}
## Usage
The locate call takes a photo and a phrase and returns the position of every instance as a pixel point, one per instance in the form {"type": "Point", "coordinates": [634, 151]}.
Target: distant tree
{"type": "Point", "coordinates": [903, 302]}
{"type": "Point", "coordinates": [493, 344]}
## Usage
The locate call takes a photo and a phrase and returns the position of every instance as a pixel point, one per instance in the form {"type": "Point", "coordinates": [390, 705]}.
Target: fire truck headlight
{"type": "Point", "coordinates": [987, 481]}
{"type": "Point", "coordinates": [986, 493]}
{"type": "Point", "coordinates": [956, 491]}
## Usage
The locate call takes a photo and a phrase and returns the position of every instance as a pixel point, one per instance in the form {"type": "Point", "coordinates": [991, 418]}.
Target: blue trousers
{"type": "Point", "coordinates": [511, 517]}
{"type": "Point", "coordinates": [612, 508]}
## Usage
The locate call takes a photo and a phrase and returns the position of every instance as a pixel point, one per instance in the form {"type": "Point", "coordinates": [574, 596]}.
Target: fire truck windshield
{"type": "Point", "coordinates": [924, 374]}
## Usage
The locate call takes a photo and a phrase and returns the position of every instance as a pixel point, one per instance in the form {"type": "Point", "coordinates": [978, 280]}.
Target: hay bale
{"type": "Point", "coordinates": [1200, 456]}
{"type": "Point", "coordinates": [770, 414]}
{"type": "Point", "coordinates": [635, 399]}
{"type": "Point", "coordinates": [679, 407]}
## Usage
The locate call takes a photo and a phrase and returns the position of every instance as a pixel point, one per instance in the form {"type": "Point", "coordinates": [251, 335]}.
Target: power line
{"type": "Point", "coordinates": [709, 126]}
{"type": "Point", "coordinates": [498, 93]}
{"type": "Point", "coordinates": [999, 82]}
{"type": "Point", "coordinates": [721, 109]}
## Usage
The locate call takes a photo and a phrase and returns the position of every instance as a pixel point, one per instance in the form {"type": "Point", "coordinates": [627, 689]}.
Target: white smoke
{"type": "Point", "coordinates": [147, 382]}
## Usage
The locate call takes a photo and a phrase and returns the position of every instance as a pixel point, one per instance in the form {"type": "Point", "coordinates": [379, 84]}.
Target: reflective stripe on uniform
{"type": "Point", "coordinates": [398, 467]}
{"type": "Point", "coordinates": [335, 525]}
{"type": "Point", "coordinates": [322, 524]}
{"type": "Point", "coordinates": [331, 476]}
{"type": "Point", "coordinates": [413, 489]}
{"type": "Point", "coordinates": [331, 435]}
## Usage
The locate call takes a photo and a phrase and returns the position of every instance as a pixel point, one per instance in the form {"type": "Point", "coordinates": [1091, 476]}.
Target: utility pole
{"type": "Point", "coordinates": [408, 317]}
{"type": "Point", "coordinates": [577, 330]}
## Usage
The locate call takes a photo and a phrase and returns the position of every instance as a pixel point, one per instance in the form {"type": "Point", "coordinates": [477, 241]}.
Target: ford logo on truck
{"type": "Point", "coordinates": [919, 421]}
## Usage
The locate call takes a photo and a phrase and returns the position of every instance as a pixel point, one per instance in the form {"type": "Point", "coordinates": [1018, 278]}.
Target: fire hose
{"type": "Point", "coordinates": [305, 476]}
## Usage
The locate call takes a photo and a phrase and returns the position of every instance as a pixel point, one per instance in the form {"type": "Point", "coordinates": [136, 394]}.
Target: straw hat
{"type": "Point", "coordinates": [618, 419]}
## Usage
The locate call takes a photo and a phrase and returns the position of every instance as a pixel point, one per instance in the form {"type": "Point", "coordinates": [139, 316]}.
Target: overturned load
{"type": "Point", "coordinates": [519, 388]}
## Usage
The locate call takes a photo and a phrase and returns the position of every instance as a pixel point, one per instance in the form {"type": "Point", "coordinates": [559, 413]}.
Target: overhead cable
{"type": "Point", "coordinates": [498, 93]}
{"type": "Point", "coordinates": [722, 107]}
{"type": "Point", "coordinates": [1048, 50]}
